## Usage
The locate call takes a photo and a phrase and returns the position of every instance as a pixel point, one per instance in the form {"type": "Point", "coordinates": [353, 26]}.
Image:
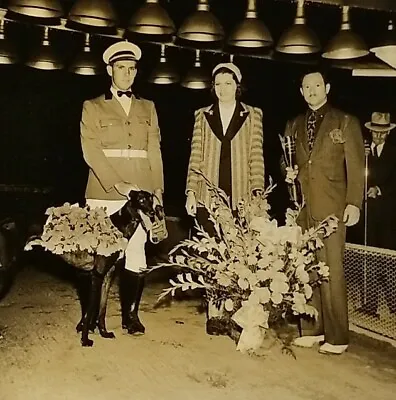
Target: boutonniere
{"type": "Point", "coordinates": [337, 136]}
{"type": "Point", "coordinates": [243, 112]}
{"type": "Point", "coordinates": [210, 112]}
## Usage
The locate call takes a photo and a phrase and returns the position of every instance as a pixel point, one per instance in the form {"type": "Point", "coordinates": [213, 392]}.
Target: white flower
{"type": "Point", "coordinates": [264, 262]}
{"type": "Point", "coordinates": [278, 286]}
{"type": "Point", "coordinates": [279, 277]}
{"type": "Point", "coordinates": [299, 302]}
{"type": "Point", "coordinates": [291, 234]}
{"type": "Point", "coordinates": [277, 265]}
{"type": "Point", "coordinates": [302, 274]}
{"type": "Point", "coordinates": [229, 305]}
{"type": "Point", "coordinates": [263, 274]}
{"type": "Point", "coordinates": [223, 279]}
{"type": "Point", "coordinates": [263, 295]}
{"type": "Point", "coordinates": [276, 297]}
{"type": "Point", "coordinates": [267, 229]}
{"type": "Point", "coordinates": [323, 269]}
{"type": "Point", "coordinates": [243, 283]}
{"type": "Point", "coordinates": [308, 291]}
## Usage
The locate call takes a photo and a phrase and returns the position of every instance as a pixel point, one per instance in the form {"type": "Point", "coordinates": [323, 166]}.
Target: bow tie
{"type": "Point", "coordinates": [128, 93]}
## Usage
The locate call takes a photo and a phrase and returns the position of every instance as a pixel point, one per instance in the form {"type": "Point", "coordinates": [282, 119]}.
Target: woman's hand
{"type": "Point", "coordinates": [191, 204]}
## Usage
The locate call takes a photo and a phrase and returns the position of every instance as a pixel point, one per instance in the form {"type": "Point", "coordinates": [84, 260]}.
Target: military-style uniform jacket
{"type": "Point", "coordinates": [105, 126]}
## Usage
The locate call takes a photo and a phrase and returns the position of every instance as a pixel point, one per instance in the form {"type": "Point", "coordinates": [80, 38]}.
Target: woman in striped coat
{"type": "Point", "coordinates": [227, 145]}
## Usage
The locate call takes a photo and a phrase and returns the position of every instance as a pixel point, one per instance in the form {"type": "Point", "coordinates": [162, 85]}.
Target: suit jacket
{"type": "Point", "coordinates": [247, 160]}
{"type": "Point", "coordinates": [382, 173]}
{"type": "Point", "coordinates": [332, 175]}
{"type": "Point", "coordinates": [105, 125]}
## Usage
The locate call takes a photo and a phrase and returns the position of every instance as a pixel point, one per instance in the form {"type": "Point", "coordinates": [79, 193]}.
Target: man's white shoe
{"type": "Point", "coordinates": [308, 341]}
{"type": "Point", "coordinates": [328, 348]}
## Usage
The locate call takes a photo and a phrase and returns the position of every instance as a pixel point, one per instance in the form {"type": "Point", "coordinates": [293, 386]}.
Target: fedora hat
{"type": "Point", "coordinates": [380, 122]}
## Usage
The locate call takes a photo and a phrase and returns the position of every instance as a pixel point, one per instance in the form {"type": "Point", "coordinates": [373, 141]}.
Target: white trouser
{"type": "Point", "coordinates": [135, 255]}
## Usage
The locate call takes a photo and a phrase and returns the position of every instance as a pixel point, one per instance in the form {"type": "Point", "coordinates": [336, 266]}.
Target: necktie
{"type": "Point", "coordinates": [128, 93]}
{"type": "Point", "coordinates": [376, 152]}
{"type": "Point", "coordinates": [311, 125]}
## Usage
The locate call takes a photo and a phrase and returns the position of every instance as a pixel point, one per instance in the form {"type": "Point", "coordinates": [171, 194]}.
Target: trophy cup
{"type": "Point", "coordinates": [289, 151]}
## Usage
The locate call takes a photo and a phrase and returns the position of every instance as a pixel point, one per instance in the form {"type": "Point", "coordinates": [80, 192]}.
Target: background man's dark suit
{"type": "Point", "coordinates": [381, 227]}
{"type": "Point", "coordinates": [381, 210]}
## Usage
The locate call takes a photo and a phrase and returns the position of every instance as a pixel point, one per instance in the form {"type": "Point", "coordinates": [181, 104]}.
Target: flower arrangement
{"type": "Point", "coordinates": [78, 234]}
{"type": "Point", "coordinates": [254, 271]}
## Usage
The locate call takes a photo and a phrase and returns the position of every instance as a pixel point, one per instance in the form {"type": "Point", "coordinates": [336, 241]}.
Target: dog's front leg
{"type": "Point", "coordinates": [83, 283]}
{"type": "Point", "coordinates": [103, 304]}
{"type": "Point", "coordinates": [96, 284]}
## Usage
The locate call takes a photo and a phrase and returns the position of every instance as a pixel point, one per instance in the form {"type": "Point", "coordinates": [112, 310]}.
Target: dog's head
{"type": "Point", "coordinates": [142, 201]}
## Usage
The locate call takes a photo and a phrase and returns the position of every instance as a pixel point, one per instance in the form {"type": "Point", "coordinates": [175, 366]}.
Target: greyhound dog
{"type": "Point", "coordinates": [95, 272]}
{"type": "Point", "coordinates": [95, 284]}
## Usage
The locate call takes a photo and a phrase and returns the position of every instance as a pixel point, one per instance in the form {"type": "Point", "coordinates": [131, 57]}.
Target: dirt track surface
{"type": "Point", "coordinates": [41, 357]}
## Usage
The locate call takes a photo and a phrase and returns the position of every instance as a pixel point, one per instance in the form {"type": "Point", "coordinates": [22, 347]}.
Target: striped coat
{"type": "Point", "coordinates": [247, 160]}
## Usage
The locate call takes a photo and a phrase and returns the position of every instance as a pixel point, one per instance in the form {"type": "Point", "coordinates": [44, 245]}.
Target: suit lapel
{"type": "Point", "coordinates": [237, 120]}
{"type": "Point", "coordinates": [303, 137]}
{"type": "Point", "coordinates": [213, 117]}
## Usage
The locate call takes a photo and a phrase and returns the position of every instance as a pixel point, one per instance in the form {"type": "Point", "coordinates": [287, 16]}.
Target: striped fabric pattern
{"type": "Point", "coordinates": [247, 168]}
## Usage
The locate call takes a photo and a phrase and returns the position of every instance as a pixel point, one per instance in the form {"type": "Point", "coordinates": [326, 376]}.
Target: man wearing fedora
{"type": "Point", "coordinates": [330, 170]}
{"type": "Point", "coordinates": [381, 215]}
{"type": "Point", "coordinates": [120, 139]}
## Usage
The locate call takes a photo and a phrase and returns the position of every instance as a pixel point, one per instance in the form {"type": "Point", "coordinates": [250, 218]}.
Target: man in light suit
{"type": "Point", "coordinates": [330, 167]}
{"type": "Point", "coordinates": [120, 140]}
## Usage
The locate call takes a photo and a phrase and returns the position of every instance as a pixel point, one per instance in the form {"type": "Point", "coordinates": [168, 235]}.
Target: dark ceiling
{"type": "Point", "coordinates": [323, 16]}
{"type": "Point", "coordinates": [368, 17]}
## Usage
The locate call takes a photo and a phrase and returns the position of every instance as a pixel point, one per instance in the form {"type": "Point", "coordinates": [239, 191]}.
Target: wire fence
{"type": "Point", "coordinates": [371, 283]}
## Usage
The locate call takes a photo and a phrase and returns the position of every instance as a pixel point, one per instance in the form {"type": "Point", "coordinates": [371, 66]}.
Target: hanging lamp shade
{"type": "Point", "coordinates": [197, 77]}
{"type": "Point", "coordinates": [151, 19]}
{"type": "Point", "coordinates": [387, 55]}
{"type": "Point", "coordinates": [8, 54]}
{"type": "Point", "coordinates": [388, 41]}
{"type": "Point", "coordinates": [96, 13]}
{"type": "Point", "coordinates": [86, 63]}
{"type": "Point", "coordinates": [251, 32]}
{"type": "Point", "coordinates": [36, 8]}
{"type": "Point", "coordinates": [163, 73]}
{"type": "Point", "coordinates": [299, 38]}
{"type": "Point", "coordinates": [386, 48]}
{"type": "Point", "coordinates": [45, 58]}
{"type": "Point", "coordinates": [346, 44]}
{"type": "Point", "coordinates": [201, 26]}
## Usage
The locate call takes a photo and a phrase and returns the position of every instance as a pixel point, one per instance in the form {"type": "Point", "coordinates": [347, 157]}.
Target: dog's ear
{"type": "Point", "coordinates": [133, 194]}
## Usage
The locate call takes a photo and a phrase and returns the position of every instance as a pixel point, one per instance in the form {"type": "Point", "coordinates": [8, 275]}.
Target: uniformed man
{"type": "Point", "coordinates": [120, 140]}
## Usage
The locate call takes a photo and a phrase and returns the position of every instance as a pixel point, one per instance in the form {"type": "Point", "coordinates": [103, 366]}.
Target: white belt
{"type": "Point", "coordinates": [125, 153]}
